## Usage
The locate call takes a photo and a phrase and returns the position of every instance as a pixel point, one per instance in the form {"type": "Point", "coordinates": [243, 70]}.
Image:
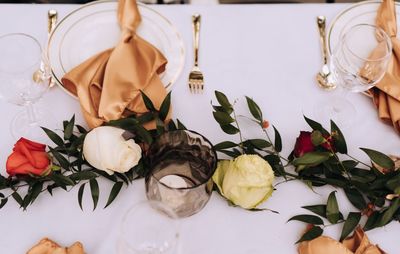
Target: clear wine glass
{"type": "Point", "coordinates": [149, 227]}
{"type": "Point", "coordinates": [24, 78]}
{"type": "Point", "coordinates": [358, 63]}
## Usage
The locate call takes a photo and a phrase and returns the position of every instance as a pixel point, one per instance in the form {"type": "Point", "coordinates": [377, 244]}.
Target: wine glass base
{"type": "Point", "coordinates": [22, 126]}
{"type": "Point", "coordinates": [340, 110]}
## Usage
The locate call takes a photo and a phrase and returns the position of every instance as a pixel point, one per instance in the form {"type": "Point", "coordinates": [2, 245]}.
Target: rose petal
{"type": "Point", "coordinates": [20, 147]}
{"type": "Point", "coordinates": [41, 159]}
{"type": "Point", "coordinates": [28, 169]}
{"type": "Point", "coordinates": [31, 145]}
{"type": "Point", "coordinates": [13, 161]}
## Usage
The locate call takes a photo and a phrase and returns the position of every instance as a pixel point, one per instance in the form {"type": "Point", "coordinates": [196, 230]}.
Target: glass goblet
{"type": "Point", "coordinates": [358, 62]}
{"type": "Point", "coordinates": [24, 78]}
{"type": "Point", "coordinates": [149, 227]}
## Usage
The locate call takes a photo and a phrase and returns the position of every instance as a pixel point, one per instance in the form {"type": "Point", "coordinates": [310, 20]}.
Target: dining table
{"type": "Point", "coordinates": [269, 52]}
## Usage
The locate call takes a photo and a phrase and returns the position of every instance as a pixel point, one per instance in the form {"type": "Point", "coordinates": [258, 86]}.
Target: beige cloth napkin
{"type": "Point", "coordinates": [47, 246]}
{"type": "Point", "coordinates": [108, 84]}
{"type": "Point", "coordinates": [358, 243]}
{"type": "Point", "coordinates": [386, 94]}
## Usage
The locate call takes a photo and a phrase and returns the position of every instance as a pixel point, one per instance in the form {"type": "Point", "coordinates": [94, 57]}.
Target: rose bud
{"type": "Point", "coordinates": [303, 144]}
{"type": "Point", "coordinates": [106, 149]}
{"type": "Point", "coordinates": [28, 157]}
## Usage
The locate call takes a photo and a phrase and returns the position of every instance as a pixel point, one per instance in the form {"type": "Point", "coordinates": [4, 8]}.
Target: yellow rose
{"type": "Point", "coordinates": [246, 181]}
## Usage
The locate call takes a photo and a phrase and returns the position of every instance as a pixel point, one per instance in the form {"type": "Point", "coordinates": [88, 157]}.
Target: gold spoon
{"type": "Point", "coordinates": [324, 76]}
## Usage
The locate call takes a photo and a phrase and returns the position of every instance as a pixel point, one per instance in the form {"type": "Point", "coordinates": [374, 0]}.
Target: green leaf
{"type": "Point", "coordinates": [80, 195]}
{"type": "Point", "coordinates": [387, 216]}
{"type": "Point", "coordinates": [53, 136]}
{"type": "Point", "coordinates": [338, 138]}
{"type": "Point", "coordinates": [355, 197]}
{"type": "Point", "coordinates": [144, 134]}
{"type": "Point", "coordinates": [17, 198]}
{"type": "Point", "coordinates": [316, 126]}
{"type": "Point", "coordinates": [278, 140]}
{"type": "Point", "coordinates": [379, 158]}
{"type": "Point", "coordinates": [225, 145]}
{"type": "Point", "coordinates": [147, 102]}
{"type": "Point", "coordinates": [223, 118]}
{"type": "Point", "coordinates": [372, 221]}
{"type": "Point", "coordinates": [254, 109]}
{"type": "Point", "coordinates": [81, 129]}
{"type": "Point", "coordinates": [317, 138]}
{"type": "Point", "coordinates": [313, 233]}
{"type": "Point", "coordinates": [220, 108]}
{"type": "Point", "coordinates": [64, 163]}
{"type": "Point", "coordinates": [332, 209]}
{"type": "Point", "coordinates": [229, 129]}
{"type": "Point", "coordinates": [223, 101]}
{"type": "Point", "coordinates": [82, 175]}
{"type": "Point", "coordinates": [3, 202]}
{"type": "Point", "coordinates": [62, 180]}
{"type": "Point", "coordinates": [124, 123]}
{"type": "Point", "coordinates": [36, 190]}
{"type": "Point", "coordinates": [311, 219]}
{"type": "Point", "coordinates": [146, 117]}
{"type": "Point", "coordinates": [312, 158]}
{"type": "Point", "coordinates": [27, 200]}
{"type": "Point", "coordinates": [317, 209]}
{"type": "Point", "coordinates": [114, 192]}
{"type": "Point", "coordinates": [259, 143]}
{"type": "Point", "coordinates": [69, 128]}
{"type": "Point", "coordinates": [94, 188]}
{"type": "Point", "coordinates": [350, 224]}
{"type": "Point", "coordinates": [164, 108]}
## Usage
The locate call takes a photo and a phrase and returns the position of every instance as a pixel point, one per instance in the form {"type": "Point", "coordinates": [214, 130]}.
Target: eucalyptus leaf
{"type": "Point", "coordinates": [332, 209]}
{"type": "Point", "coordinates": [311, 234]}
{"type": "Point", "coordinates": [94, 188]}
{"type": "Point", "coordinates": [147, 102]}
{"type": "Point", "coordinates": [164, 108]}
{"type": "Point", "coordinates": [312, 158]}
{"type": "Point", "coordinates": [254, 109]}
{"type": "Point", "coordinates": [355, 197]}
{"type": "Point", "coordinates": [80, 195]}
{"type": "Point", "coordinates": [278, 140]}
{"type": "Point", "coordinates": [350, 224]}
{"type": "Point", "coordinates": [311, 219]}
{"type": "Point", "coordinates": [114, 192]}
{"type": "Point", "coordinates": [229, 129]}
{"type": "Point", "coordinates": [225, 145]}
{"type": "Point", "coordinates": [379, 158]}
{"type": "Point", "coordinates": [338, 138]}
{"type": "Point", "coordinates": [223, 118]}
{"type": "Point", "coordinates": [69, 128]}
{"type": "Point", "coordinates": [53, 136]}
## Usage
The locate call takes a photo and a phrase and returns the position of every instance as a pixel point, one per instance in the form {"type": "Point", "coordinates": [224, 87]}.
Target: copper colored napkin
{"type": "Point", "coordinates": [358, 243]}
{"type": "Point", "coordinates": [108, 84]}
{"type": "Point", "coordinates": [47, 246]}
{"type": "Point", "coordinates": [386, 94]}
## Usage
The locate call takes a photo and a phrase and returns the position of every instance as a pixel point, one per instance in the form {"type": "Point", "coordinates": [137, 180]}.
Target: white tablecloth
{"type": "Point", "coordinates": [268, 52]}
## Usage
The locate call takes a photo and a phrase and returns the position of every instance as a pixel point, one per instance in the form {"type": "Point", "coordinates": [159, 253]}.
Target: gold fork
{"type": "Point", "coordinates": [196, 78]}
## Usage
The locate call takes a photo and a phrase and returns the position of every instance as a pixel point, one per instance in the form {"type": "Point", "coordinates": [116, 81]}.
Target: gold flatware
{"type": "Point", "coordinates": [52, 16]}
{"type": "Point", "coordinates": [196, 78]}
{"type": "Point", "coordinates": [324, 76]}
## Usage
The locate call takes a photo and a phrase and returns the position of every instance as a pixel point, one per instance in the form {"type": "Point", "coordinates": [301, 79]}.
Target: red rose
{"type": "Point", "coordinates": [28, 157]}
{"type": "Point", "coordinates": [303, 144]}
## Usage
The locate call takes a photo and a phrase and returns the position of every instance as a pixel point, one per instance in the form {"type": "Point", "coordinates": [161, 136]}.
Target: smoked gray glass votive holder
{"type": "Point", "coordinates": [182, 164]}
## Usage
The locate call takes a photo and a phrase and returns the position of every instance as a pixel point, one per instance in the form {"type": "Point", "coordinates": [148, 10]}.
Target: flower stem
{"type": "Point", "coordinates": [358, 160]}
{"type": "Point", "coordinates": [237, 125]}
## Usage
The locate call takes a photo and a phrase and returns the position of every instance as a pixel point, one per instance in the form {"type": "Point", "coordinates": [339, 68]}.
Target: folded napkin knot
{"type": "Point", "coordinates": [108, 84]}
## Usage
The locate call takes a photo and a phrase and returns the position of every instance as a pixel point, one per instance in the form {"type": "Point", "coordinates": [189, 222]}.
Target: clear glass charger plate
{"type": "Point", "coordinates": [360, 13]}
{"type": "Point", "coordinates": [93, 28]}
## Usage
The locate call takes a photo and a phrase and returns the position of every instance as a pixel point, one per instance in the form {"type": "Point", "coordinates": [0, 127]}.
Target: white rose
{"type": "Point", "coordinates": [105, 149]}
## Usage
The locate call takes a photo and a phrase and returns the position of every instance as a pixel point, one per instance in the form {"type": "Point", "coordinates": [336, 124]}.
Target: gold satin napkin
{"type": "Point", "coordinates": [358, 243]}
{"type": "Point", "coordinates": [108, 84]}
{"type": "Point", "coordinates": [47, 246]}
{"type": "Point", "coordinates": [386, 94]}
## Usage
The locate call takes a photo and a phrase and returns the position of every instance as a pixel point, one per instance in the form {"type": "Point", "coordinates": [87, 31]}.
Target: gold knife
{"type": "Point", "coordinates": [52, 16]}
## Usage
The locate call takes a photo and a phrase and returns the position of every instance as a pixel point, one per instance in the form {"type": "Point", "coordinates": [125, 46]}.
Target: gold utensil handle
{"type": "Point", "coordinates": [196, 18]}
{"type": "Point", "coordinates": [321, 21]}
{"type": "Point", "coordinates": [52, 16]}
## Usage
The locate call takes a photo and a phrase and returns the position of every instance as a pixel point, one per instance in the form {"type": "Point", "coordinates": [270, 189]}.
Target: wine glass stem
{"type": "Point", "coordinates": [30, 111]}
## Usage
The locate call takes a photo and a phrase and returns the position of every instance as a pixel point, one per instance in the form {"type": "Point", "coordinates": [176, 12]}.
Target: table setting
{"type": "Point", "coordinates": [200, 129]}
